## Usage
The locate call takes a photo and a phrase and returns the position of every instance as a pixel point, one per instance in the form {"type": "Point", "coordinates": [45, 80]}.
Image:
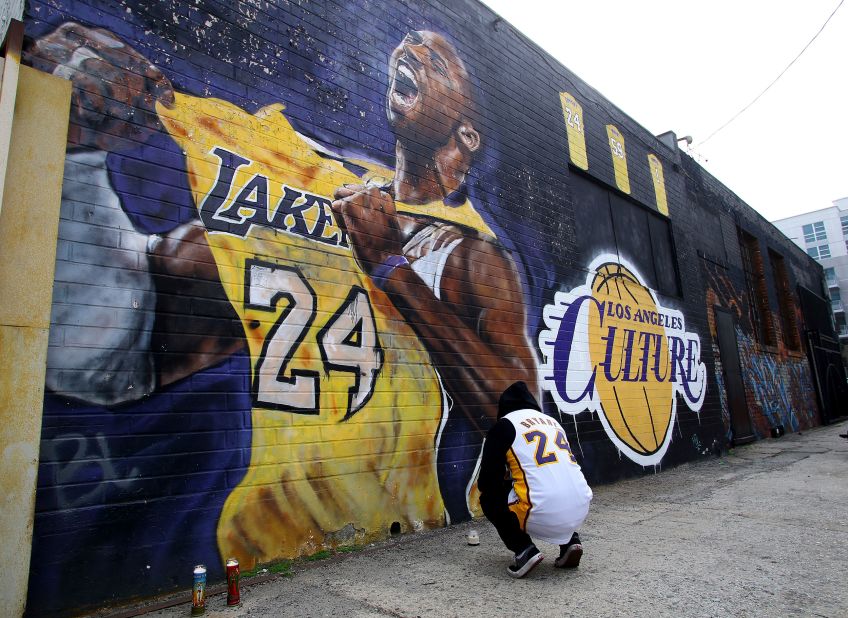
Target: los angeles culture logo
{"type": "Point", "coordinates": [611, 348]}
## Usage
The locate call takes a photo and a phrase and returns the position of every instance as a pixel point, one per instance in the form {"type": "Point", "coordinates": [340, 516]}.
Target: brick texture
{"type": "Point", "coordinates": [215, 388]}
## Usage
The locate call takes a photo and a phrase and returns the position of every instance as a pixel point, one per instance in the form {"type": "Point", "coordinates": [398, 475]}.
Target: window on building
{"type": "Point", "coordinates": [844, 220]}
{"type": "Point", "coordinates": [820, 252]}
{"type": "Point", "coordinates": [755, 282]}
{"type": "Point", "coordinates": [785, 302]}
{"type": "Point", "coordinates": [836, 297]}
{"type": "Point", "coordinates": [830, 275]}
{"type": "Point", "coordinates": [815, 231]}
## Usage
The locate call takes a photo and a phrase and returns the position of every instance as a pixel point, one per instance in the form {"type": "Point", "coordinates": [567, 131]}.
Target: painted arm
{"type": "Point", "coordinates": [173, 276]}
{"type": "Point", "coordinates": [196, 326]}
{"type": "Point", "coordinates": [475, 333]}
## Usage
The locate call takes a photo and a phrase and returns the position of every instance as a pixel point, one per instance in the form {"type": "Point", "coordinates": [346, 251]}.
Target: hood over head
{"type": "Point", "coordinates": [516, 397]}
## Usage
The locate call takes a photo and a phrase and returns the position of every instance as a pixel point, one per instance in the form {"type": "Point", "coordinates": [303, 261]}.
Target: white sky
{"type": "Point", "coordinates": [689, 66]}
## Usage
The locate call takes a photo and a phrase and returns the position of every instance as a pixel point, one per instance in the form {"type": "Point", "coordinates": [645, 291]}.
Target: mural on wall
{"type": "Point", "coordinates": [613, 349]}
{"type": "Point", "coordinates": [364, 296]}
{"type": "Point", "coordinates": [284, 305]}
{"type": "Point", "coordinates": [782, 387]}
{"type": "Point", "coordinates": [355, 314]}
{"type": "Point", "coordinates": [778, 384]}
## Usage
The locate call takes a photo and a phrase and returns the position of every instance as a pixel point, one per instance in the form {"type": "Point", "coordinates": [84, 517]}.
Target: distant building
{"type": "Point", "coordinates": [823, 234]}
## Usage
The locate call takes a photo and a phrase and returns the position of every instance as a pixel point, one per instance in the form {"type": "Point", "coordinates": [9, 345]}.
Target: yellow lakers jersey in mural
{"type": "Point", "coordinates": [346, 402]}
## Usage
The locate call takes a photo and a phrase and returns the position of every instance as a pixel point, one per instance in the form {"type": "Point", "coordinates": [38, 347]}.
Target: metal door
{"type": "Point", "coordinates": [740, 422]}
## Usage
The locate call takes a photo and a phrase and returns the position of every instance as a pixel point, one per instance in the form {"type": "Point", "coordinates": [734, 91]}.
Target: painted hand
{"type": "Point", "coordinates": [369, 217]}
{"type": "Point", "coordinates": [115, 88]}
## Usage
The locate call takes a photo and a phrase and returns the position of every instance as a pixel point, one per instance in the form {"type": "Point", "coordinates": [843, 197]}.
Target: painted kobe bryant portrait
{"type": "Point", "coordinates": [349, 342]}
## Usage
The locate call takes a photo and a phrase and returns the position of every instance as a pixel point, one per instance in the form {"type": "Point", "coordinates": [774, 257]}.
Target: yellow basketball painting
{"type": "Point", "coordinates": [637, 408]}
{"type": "Point", "coordinates": [613, 349]}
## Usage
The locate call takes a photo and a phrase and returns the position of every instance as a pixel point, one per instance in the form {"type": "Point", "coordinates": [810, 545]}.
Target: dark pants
{"type": "Point", "coordinates": [505, 522]}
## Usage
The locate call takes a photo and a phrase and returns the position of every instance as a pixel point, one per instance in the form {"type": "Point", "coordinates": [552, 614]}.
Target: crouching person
{"type": "Point", "coordinates": [530, 483]}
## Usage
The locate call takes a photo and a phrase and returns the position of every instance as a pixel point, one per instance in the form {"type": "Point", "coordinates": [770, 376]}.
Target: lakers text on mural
{"type": "Point", "coordinates": [611, 348]}
{"type": "Point", "coordinates": [220, 213]}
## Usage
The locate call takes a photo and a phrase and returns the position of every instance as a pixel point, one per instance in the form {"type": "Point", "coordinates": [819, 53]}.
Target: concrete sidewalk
{"type": "Point", "coordinates": [761, 532]}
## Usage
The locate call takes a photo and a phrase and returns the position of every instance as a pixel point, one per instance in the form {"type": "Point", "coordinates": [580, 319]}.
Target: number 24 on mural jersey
{"type": "Point", "coordinates": [347, 342]}
{"type": "Point", "coordinates": [542, 455]}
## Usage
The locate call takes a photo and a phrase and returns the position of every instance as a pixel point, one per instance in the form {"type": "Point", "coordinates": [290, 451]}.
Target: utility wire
{"type": "Point", "coordinates": [757, 98]}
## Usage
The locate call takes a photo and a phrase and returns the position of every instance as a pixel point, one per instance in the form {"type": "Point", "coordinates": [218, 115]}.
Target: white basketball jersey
{"type": "Point", "coordinates": [549, 494]}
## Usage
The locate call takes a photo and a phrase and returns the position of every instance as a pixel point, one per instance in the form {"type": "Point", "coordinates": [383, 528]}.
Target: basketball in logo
{"type": "Point", "coordinates": [637, 406]}
{"type": "Point", "coordinates": [611, 349]}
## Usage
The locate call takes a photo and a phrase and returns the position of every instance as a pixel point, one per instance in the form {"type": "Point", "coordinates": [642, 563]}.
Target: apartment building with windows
{"type": "Point", "coordinates": [823, 234]}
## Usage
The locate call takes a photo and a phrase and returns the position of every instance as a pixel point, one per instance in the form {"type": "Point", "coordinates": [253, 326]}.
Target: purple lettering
{"type": "Point", "coordinates": [562, 350]}
{"type": "Point", "coordinates": [693, 354]}
{"type": "Point", "coordinates": [607, 364]}
{"type": "Point", "coordinates": [678, 349]}
{"type": "Point", "coordinates": [645, 341]}
{"type": "Point", "coordinates": [629, 336]}
{"type": "Point", "coordinates": [658, 357]}
{"type": "Point", "coordinates": [324, 217]}
{"type": "Point", "coordinates": [216, 198]}
{"type": "Point", "coordinates": [286, 207]}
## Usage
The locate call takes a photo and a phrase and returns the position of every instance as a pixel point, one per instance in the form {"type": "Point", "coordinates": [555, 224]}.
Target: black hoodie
{"type": "Point", "coordinates": [516, 397]}
{"type": "Point", "coordinates": [493, 489]}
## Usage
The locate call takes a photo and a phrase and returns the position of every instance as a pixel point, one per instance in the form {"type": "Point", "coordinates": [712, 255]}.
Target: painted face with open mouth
{"type": "Point", "coordinates": [403, 91]}
{"type": "Point", "coordinates": [428, 88]}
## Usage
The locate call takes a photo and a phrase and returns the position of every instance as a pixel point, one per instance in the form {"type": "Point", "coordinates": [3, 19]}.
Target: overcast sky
{"type": "Point", "coordinates": [690, 66]}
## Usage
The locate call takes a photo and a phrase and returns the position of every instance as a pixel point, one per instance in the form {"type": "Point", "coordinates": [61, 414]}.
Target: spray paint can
{"type": "Point", "coordinates": [233, 573]}
{"type": "Point", "coordinates": [198, 591]}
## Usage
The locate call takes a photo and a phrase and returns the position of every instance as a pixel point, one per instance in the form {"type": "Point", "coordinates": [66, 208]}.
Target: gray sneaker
{"type": "Point", "coordinates": [525, 562]}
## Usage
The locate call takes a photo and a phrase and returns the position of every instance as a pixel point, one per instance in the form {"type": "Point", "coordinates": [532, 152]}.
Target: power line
{"type": "Point", "coordinates": [741, 111]}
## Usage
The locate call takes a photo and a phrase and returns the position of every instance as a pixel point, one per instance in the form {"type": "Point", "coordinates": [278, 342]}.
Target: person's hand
{"type": "Point", "coordinates": [369, 217]}
{"type": "Point", "coordinates": [115, 89]}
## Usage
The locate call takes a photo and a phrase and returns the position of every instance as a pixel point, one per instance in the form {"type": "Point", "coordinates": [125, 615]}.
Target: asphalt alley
{"type": "Point", "coordinates": [761, 531]}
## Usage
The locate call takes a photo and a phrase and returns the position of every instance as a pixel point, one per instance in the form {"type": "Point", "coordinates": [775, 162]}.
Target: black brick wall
{"type": "Point", "coordinates": [134, 480]}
